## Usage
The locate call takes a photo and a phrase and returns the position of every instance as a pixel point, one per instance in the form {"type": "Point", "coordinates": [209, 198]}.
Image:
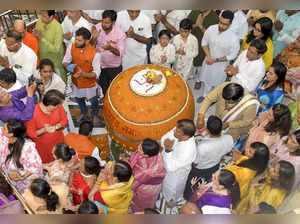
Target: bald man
{"type": "Point", "coordinates": [28, 38]}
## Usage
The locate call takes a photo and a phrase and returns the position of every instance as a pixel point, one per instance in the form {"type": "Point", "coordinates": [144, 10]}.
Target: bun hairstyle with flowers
{"type": "Point", "coordinates": [41, 189]}
{"type": "Point", "coordinates": [64, 152]}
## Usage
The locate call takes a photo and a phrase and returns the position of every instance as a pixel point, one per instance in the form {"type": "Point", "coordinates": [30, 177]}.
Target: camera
{"type": "Point", "coordinates": [32, 80]}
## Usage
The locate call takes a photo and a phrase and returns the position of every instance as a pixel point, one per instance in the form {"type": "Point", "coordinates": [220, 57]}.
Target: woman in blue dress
{"type": "Point", "coordinates": [271, 89]}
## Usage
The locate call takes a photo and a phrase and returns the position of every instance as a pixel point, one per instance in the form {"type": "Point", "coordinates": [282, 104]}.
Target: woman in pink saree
{"type": "Point", "coordinates": [148, 172]}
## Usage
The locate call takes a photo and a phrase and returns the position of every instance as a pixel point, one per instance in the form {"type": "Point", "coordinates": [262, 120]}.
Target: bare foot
{"type": "Point", "coordinates": [79, 117]}
{"type": "Point", "coordinates": [96, 120]}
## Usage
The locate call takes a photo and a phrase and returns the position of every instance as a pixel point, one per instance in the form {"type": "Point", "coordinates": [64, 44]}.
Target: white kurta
{"type": "Point", "coordinates": [211, 150]}
{"type": "Point", "coordinates": [55, 83]}
{"type": "Point", "coordinates": [178, 165]}
{"type": "Point", "coordinates": [250, 72]}
{"type": "Point", "coordinates": [239, 24]}
{"type": "Point", "coordinates": [135, 52]}
{"type": "Point", "coordinates": [157, 51]}
{"type": "Point", "coordinates": [220, 45]}
{"type": "Point", "coordinates": [23, 62]}
{"type": "Point", "coordinates": [85, 92]}
{"type": "Point", "coordinates": [68, 26]}
{"type": "Point", "coordinates": [184, 63]}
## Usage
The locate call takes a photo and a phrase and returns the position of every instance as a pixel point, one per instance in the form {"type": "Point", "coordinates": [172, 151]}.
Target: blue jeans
{"type": "Point", "coordinates": [83, 108]}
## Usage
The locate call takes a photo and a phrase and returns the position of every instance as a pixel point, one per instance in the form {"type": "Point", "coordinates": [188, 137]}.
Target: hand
{"type": "Point", "coordinates": [200, 121]}
{"type": "Point", "coordinates": [130, 32]}
{"type": "Point", "coordinates": [236, 155]}
{"type": "Point", "coordinates": [251, 21]}
{"type": "Point", "coordinates": [278, 25]}
{"type": "Point", "coordinates": [255, 123]}
{"type": "Point", "coordinates": [180, 51]}
{"type": "Point", "coordinates": [95, 33]}
{"type": "Point", "coordinates": [15, 175]}
{"type": "Point", "coordinates": [225, 125]}
{"type": "Point", "coordinates": [37, 34]}
{"type": "Point", "coordinates": [228, 69]}
{"type": "Point", "coordinates": [168, 144]}
{"type": "Point", "coordinates": [234, 70]}
{"type": "Point", "coordinates": [31, 89]}
{"type": "Point", "coordinates": [283, 59]}
{"type": "Point", "coordinates": [4, 61]}
{"type": "Point", "coordinates": [107, 46]}
{"type": "Point", "coordinates": [78, 74]}
{"type": "Point", "coordinates": [198, 194]}
{"type": "Point", "coordinates": [257, 181]}
{"type": "Point", "coordinates": [5, 97]}
{"type": "Point", "coordinates": [163, 59]}
{"type": "Point", "coordinates": [210, 61]}
{"type": "Point", "coordinates": [199, 21]}
{"type": "Point", "coordinates": [49, 129]}
{"type": "Point", "coordinates": [80, 192]}
{"type": "Point", "coordinates": [194, 181]}
{"type": "Point", "coordinates": [124, 157]}
{"type": "Point", "coordinates": [158, 17]}
{"type": "Point", "coordinates": [68, 35]}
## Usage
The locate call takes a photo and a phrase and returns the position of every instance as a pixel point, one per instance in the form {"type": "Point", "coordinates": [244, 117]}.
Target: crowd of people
{"type": "Point", "coordinates": [247, 160]}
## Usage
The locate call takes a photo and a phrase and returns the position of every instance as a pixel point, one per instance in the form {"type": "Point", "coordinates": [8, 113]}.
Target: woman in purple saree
{"type": "Point", "coordinates": [222, 194]}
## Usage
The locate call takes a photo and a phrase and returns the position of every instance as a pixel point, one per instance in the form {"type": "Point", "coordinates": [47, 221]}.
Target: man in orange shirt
{"type": "Point", "coordinates": [28, 38]}
{"type": "Point", "coordinates": [81, 142]}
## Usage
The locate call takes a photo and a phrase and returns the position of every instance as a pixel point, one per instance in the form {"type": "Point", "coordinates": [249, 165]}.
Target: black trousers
{"type": "Point", "coordinates": [106, 77]}
{"type": "Point", "coordinates": [205, 174]}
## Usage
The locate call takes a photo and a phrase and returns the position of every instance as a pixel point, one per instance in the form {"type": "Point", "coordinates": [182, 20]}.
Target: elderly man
{"type": "Point", "coordinates": [28, 38]}
{"type": "Point", "coordinates": [235, 106]}
{"type": "Point", "coordinates": [179, 151]}
{"type": "Point", "coordinates": [16, 55]}
{"type": "Point", "coordinates": [72, 22]}
{"type": "Point", "coordinates": [249, 68]}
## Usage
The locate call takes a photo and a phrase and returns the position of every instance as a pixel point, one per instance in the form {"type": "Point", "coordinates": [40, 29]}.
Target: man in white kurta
{"type": "Point", "coordinates": [72, 22]}
{"type": "Point", "coordinates": [14, 54]}
{"type": "Point", "coordinates": [138, 29]}
{"type": "Point", "coordinates": [220, 45]}
{"type": "Point", "coordinates": [186, 45]}
{"type": "Point", "coordinates": [178, 160]}
{"type": "Point", "coordinates": [249, 68]}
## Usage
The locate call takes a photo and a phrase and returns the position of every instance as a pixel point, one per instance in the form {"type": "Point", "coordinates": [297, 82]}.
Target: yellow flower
{"type": "Point", "coordinates": [168, 73]}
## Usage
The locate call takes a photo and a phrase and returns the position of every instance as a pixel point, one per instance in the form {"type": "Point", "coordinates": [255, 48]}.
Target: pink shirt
{"type": "Point", "coordinates": [108, 59]}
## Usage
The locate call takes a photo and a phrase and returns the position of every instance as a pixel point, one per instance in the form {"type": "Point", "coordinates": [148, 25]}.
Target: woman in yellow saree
{"type": "Point", "coordinates": [271, 188]}
{"type": "Point", "coordinates": [247, 167]}
{"type": "Point", "coordinates": [113, 187]}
